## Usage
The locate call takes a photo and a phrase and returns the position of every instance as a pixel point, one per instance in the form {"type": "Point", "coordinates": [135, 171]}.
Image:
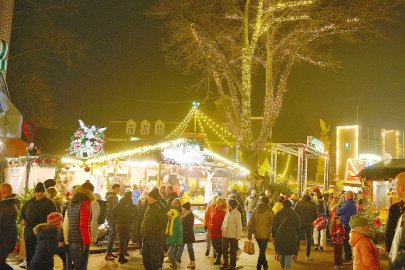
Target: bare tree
{"type": "Point", "coordinates": [229, 41]}
{"type": "Point", "coordinates": [41, 41]}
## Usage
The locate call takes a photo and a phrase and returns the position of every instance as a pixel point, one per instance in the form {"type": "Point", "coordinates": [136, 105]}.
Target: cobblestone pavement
{"type": "Point", "coordinates": [321, 260]}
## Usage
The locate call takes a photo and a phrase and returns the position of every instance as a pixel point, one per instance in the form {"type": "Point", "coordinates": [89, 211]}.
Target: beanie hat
{"type": "Point", "coordinates": [357, 221]}
{"type": "Point", "coordinates": [40, 187]}
{"type": "Point", "coordinates": [49, 183]}
{"type": "Point", "coordinates": [186, 206]}
{"type": "Point", "coordinates": [294, 197]}
{"type": "Point", "coordinates": [287, 203]}
{"type": "Point", "coordinates": [55, 218]}
{"type": "Point", "coordinates": [233, 203]}
{"type": "Point", "coordinates": [154, 193]}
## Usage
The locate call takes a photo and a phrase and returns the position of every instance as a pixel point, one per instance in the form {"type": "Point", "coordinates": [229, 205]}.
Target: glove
{"type": "Point", "coordinates": [85, 250]}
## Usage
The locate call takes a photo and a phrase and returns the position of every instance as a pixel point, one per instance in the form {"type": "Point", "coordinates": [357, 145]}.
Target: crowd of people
{"type": "Point", "coordinates": [160, 224]}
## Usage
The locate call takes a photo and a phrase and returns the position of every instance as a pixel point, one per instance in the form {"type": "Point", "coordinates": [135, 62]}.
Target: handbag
{"type": "Point", "coordinates": [249, 247]}
{"type": "Point", "coordinates": [320, 223]}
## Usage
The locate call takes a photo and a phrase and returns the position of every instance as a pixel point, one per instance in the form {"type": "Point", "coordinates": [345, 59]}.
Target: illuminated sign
{"type": "Point", "coordinates": [184, 154]}
{"type": "Point", "coordinates": [315, 144]}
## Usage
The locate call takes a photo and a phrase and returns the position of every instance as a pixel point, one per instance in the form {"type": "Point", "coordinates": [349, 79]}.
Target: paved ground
{"type": "Point", "coordinates": [321, 260]}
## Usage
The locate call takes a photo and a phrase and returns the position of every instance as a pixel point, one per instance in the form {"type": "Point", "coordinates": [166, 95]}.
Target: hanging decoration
{"type": "Point", "coordinates": [3, 55]}
{"type": "Point", "coordinates": [29, 130]}
{"type": "Point", "coordinates": [87, 142]}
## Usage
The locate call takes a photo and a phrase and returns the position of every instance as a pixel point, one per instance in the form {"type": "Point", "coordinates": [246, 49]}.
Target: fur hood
{"type": "Point", "coordinates": [82, 194]}
{"type": "Point", "coordinates": [43, 226]}
{"type": "Point", "coordinates": [11, 200]}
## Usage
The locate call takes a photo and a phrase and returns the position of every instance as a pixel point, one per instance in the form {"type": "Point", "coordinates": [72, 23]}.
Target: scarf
{"type": "Point", "coordinates": [172, 214]}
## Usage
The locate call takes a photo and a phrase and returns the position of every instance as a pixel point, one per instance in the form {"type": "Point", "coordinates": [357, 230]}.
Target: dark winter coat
{"type": "Point", "coordinates": [394, 213]}
{"type": "Point", "coordinates": [346, 211]}
{"type": "Point", "coordinates": [125, 212]}
{"type": "Point", "coordinates": [8, 220]}
{"type": "Point", "coordinates": [154, 222]}
{"type": "Point", "coordinates": [306, 210]}
{"type": "Point", "coordinates": [261, 222]}
{"type": "Point", "coordinates": [112, 201]}
{"type": "Point", "coordinates": [35, 212]}
{"type": "Point", "coordinates": [286, 228]}
{"type": "Point", "coordinates": [47, 244]}
{"type": "Point", "coordinates": [397, 253]}
{"type": "Point", "coordinates": [188, 224]}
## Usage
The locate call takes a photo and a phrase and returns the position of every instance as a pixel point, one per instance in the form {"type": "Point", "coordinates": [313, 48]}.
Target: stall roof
{"type": "Point", "coordinates": [389, 168]}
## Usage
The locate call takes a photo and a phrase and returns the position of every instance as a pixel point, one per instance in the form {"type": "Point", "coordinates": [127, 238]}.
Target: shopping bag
{"type": "Point", "coordinates": [320, 223]}
{"type": "Point", "coordinates": [249, 248]}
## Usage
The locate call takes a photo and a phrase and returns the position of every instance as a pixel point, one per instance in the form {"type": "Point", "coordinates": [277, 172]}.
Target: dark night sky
{"type": "Point", "coordinates": [125, 64]}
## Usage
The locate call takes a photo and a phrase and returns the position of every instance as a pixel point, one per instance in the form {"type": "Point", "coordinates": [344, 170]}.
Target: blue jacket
{"type": "Point", "coordinates": [346, 211]}
{"type": "Point", "coordinates": [136, 195]}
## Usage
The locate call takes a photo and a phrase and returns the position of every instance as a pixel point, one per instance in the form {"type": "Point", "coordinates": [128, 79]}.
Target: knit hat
{"type": "Point", "coordinates": [357, 221]}
{"type": "Point", "coordinates": [186, 206]}
{"type": "Point", "coordinates": [55, 218]}
{"type": "Point", "coordinates": [287, 203]}
{"type": "Point", "coordinates": [40, 187]}
{"type": "Point", "coordinates": [233, 203]}
{"type": "Point", "coordinates": [154, 193]}
{"type": "Point", "coordinates": [49, 183]}
{"type": "Point", "coordinates": [295, 197]}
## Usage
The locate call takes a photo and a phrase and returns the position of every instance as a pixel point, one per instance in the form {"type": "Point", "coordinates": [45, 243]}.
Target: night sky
{"type": "Point", "coordinates": [125, 65]}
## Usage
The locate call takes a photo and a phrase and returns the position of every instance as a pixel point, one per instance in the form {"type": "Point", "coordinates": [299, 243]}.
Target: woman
{"type": "Point", "coordinates": [215, 227]}
{"type": "Point", "coordinates": [207, 219]}
{"type": "Point", "coordinates": [124, 214]}
{"type": "Point", "coordinates": [286, 229]}
{"type": "Point", "coordinates": [187, 219]}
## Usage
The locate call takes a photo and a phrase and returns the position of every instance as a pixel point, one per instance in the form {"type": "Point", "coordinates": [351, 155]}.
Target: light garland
{"type": "Point", "coordinates": [226, 161]}
{"type": "Point", "coordinates": [286, 166]}
{"type": "Point", "coordinates": [74, 161]}
{"type": "Point", "coordinates": [199, 113]}
{"type": "Point", "coordinates": [183, 125]}
{"type": "Point", "coordinates": [203, 131]}
{"type": "Point", "coordinates": [206, 121]}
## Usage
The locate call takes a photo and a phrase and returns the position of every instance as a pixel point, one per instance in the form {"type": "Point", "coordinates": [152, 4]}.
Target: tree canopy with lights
{"type": "Point", "coordinates": [230, 41]}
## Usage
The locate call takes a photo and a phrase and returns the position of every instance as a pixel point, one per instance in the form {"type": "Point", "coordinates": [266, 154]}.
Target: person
{"type": "Point", "coordinates": [216, 220]}
{"type": "Point", "coordinates": [187, 219]}
{"type": "Point", "coordinates": [395, 210]}
{"type": "Point", "coordinates": [207, 220]}
{"type": "Point", "coordinates": [136, 194]}
{"type": "Point", "coordinates": [397, 252]}
{"type": "Point", "coordinates": [319, 236]}
{"type": "Point", "coordinates": [56, 197]}
{"type": "Point", "coordinates": [365, 254]}
{"type": "Point", "coordinates": [278, 205]}
{"type": "Point", "coordinates": [112, 201]}
{"type": "Point", "coordinates": [174, 236]}
{"type": "Point", "coordinates": [306, 211]}
{"type": "Point", "coordinates": [294, 199]}
{"type": "Point", "coordinates": [338, 234]}
{"type": "Point", "coordinates": [270, 196]}
{"type": "Point", "coordinates": [231, 233]}
{"type": "Point", "coordinates": [47, 242]}
{"type": "Point", "coordinates": [162, 191]}
{"type": "Point", "coordinates": [286, 230]}
{"type": "Point", "coordinates": [95, 213]}
{"type": "Point", "coordinates": [76, 225]}
{"type": "Point", "coordinates": [152, 231]}
{"type": "Point", "coordinates": [260, 224]}
{"type": "Point", "coordinates": [9, 204]}
{"type": "Point", "coordinates": [170, 194]}
{"type": "Point", "coordinates": [124, 214]}
{"type": "Point", "coordinates": [34, 212]}
{"type": "Point", "coordinates": [236, 196]}
{"type": "Point", "coordinates": [165, 207]}
{"type": "Point", "coordinates": [142, 205]}
{"type": "Point", "coordinates": [250, 204]}
{"type": "Point", "coordinates": [345, 212]}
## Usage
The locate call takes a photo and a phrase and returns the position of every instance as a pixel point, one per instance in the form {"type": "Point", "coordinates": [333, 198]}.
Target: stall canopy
{"type": "Point", "coordinates": [389, 168]}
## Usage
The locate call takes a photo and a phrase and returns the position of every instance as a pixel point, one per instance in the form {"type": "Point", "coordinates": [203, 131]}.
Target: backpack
{"type": "Point", "coordinates": [103, 211]}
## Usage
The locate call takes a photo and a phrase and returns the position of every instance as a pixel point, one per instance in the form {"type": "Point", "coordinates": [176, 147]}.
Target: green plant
{"type": "Point", "coordinates": [374, 221]}
{"type": "Point", "coordinates": [24, 197]}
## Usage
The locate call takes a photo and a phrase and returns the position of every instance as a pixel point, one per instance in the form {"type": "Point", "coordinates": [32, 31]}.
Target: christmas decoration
{"type": "Point", "coordinates": [87, 142]}
{"type": "Point", "coordinates": [87, 169]}
{"type": "Point", "coordinates": [374, 221]}
{"type": "Point", "coordinates": [29, 130]}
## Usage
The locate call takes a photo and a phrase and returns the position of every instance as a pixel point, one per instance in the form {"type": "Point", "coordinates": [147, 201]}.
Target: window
{"type": "Point", "coordinates": [145, 127]}
{"type": "Point", "coordinates": [130, 127]}
{"type": "Point", "coordinates": [159, 127]}
{"type": "Point", "coordinates": [226, 130]}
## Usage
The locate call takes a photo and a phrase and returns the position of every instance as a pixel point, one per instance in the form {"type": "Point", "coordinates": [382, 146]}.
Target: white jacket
{"type": "Point", "coordinates": [232, 225]}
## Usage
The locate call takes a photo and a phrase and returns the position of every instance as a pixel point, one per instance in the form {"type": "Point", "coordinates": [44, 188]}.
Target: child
{"type": "Point", "coordinates": [174, 239]}
{"type": "Point", "coordinates": [337, 232]}
{"type": "Point", "coordinates": [47, 242]}
{"type": "Point", "coordinates": [365, 254]}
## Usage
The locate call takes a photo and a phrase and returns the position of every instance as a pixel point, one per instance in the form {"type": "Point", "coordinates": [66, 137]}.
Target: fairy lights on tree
{"type": "Point", "coordinates": [227, 42]}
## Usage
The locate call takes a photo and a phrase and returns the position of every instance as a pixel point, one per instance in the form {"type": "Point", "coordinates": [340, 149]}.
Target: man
{"type": "Point", "coordinates": [231, 233]}
{"type": "Point", "coordinates": [136, 194]}
{"type": "Point", "coordinates": [395, 210]}
{"type": "Point", "coordinates": [112, 201]}
{"type": "Point", "coordinates": [345, 212]}
{"type": "Point", "coordinates": [306, 211]}
{"type": "Point", "coordinates": [250, 204]}
{"type": "Point", "coordinates": [271, 198]}
{"type": "Point", "coordinates": [153, 231]}
{"type": "Point", "coordinates": [9, 204]}
{"type": "Point", "coordinates": [170, 194]}
{"type": "Point", "coordinates": [241, 207]}
{"type": "Point", "coordinates": [397, 252]}
{"type": "Point", "coordinates": [162, 191]}
{"type": "Point", "coordinates": [34, 212]}
{"type": "Point", "coordinates": [261, 223]}
{"type": "Point", "coordinates": [76, 226]}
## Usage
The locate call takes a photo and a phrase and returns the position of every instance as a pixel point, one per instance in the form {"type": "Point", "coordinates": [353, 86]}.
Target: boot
{"type": "Point", "coordinates": [217, 261]}
{"type": "Point", "coordinates": [191, 264]}
{"type": "Point", "coordinates": [122, 259]}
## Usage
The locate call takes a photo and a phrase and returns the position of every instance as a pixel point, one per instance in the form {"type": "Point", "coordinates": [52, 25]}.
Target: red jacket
{"type": "Point", "coordinates": [207, 216]}
{"type": "Point", "coordinates": [338, 238]}
{"type": "Point", "coordinates": [217, 217]}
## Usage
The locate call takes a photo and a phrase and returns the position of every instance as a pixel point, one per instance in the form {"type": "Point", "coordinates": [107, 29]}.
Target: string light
{"type": "Point", "coordinates": [203, 131]}
{"type": "Point", "coordinates": [226, 161]}
{"type": "Point", "coordinates": [216, 132]}
{"type": "Point", "coordinates": [286, 166]}
{"type": "Point", "coordinates": [74, 161]}
{"type": "Point", "coordinates": [183, 125]}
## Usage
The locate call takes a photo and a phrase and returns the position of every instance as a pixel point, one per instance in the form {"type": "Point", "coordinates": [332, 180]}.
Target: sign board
{"type": "Point", "coordinates": [316, 144]}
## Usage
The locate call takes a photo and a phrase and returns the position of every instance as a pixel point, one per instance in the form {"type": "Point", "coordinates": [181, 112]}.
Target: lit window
{"type": "Point", "coordinates": [159, 127]}
{"type": "Point", "coordinates": [226, 130]}
{"type": "Point", "coordinates": [145, 127]}
{"type": "Point", "coordinates": [130, 127]}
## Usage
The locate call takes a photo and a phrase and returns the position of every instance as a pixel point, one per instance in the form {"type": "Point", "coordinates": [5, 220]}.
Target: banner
{"type": "Point", "coordinates": [16, 177]}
